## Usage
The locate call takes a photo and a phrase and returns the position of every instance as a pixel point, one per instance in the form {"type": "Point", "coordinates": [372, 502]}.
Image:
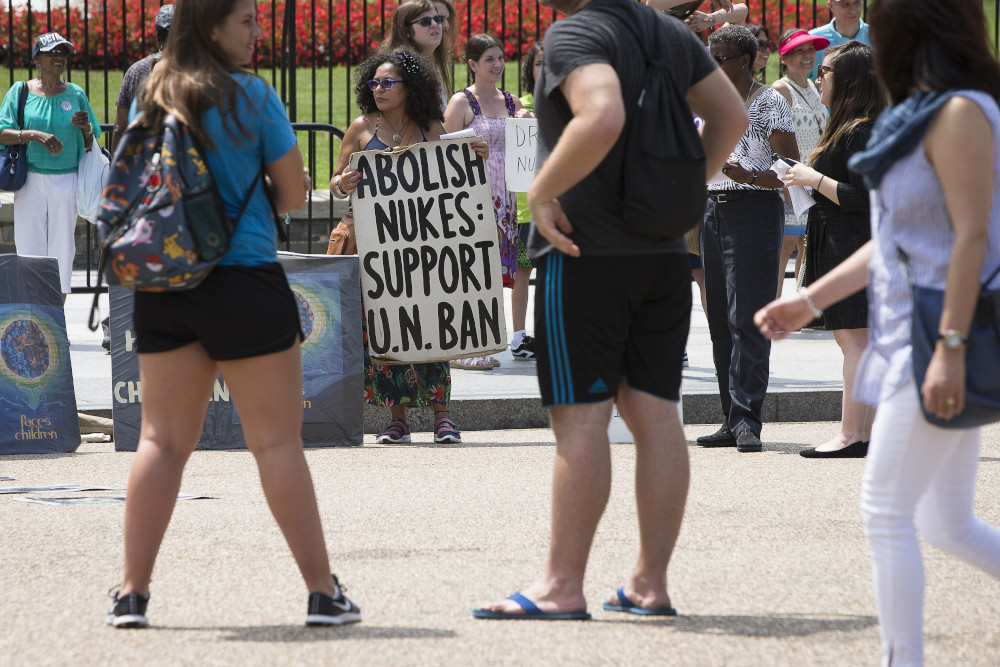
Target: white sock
{"type": "Point", "coordinates": [518, 337]}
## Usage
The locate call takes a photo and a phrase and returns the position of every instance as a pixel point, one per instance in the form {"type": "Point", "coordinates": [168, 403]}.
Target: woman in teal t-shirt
{"type": "Point", "coordinates": [59, 125]}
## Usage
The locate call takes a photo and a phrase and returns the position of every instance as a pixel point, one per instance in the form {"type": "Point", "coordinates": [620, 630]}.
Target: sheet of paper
{"type": "Point", "coordinates": [802, 201]}
{"type": "Point", "coordinates": [467, 133]}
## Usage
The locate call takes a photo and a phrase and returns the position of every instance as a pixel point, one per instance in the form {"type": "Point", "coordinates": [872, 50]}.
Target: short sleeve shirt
{"type": "Point", "coordinates": [594, 206]}
{"type": "Point", "coordinates": [769, 112]}
{"type": "Point", "coordinates": [830, 32]}
{"type": "Point", "coordinates": [52, 115]}
{"type": "Point", "coordinates": [236, 162]}
{"type": "Point", "coordinates": [134, 78]}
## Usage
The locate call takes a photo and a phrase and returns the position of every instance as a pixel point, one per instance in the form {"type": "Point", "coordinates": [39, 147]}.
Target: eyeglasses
{"type": "Point", "coordinates": [386, 84]}
{"type": "Point", "coordinates": [426, 21]}
{"type": "Point", "coordinates": [722, 59]}
{"type": "Point", "coordinates": [823, 70]}
{"type": "Point", "coordinates": [765, 45]}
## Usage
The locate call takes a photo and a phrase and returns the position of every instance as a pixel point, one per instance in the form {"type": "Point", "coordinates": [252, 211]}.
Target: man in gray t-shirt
{"type": "Point", "coordinates": [611, 310]}
{"type": "Point", "coordinates": [137, 73]}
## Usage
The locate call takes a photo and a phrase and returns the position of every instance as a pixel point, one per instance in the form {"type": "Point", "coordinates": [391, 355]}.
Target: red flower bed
{"type": "Point", "coordinates": [326, 32]}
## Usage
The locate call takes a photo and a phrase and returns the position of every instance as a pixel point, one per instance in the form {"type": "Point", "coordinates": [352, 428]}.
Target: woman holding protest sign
{"type": "Point", "coordinates": [397, 92]}
{"type": "Point", "coordinates": [485, 108]}
{"type": "Point", "coordinates": [186, 339]}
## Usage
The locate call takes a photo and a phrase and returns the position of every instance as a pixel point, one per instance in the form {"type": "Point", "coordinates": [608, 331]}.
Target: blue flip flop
{"type": "Point", "coordinates": [630, 607]}
{"type": "Point", "coordinates": [531, 612]}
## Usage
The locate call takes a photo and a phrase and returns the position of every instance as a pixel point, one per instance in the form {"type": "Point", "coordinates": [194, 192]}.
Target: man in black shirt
{"type": "Point", "coordinates": [611, 310]}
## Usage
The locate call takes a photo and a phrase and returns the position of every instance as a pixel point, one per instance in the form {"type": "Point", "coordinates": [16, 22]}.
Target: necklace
{"type": "Point", "coordinates": [398, 136]}
{"type": "Point", "coordinates": [748, 95]}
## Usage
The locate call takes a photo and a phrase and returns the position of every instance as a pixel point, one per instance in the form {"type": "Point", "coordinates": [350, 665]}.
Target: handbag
{"type": "Point", "coordinates": [982, 352]}
{"type": "Point", "coordinates": [91, 177]}
{"type": "Point", "coordinates": [342, 241]}
{"type": "Point", "coordinates": [14, 157]}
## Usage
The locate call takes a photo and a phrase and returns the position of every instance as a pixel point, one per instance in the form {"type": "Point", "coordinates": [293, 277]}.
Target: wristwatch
{"type": "Point", "coordinates": [953, 339]}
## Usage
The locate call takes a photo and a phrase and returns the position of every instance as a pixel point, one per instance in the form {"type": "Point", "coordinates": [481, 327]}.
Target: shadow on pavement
{"type": "Point", "coordinates": [301, 633]}
{"type": "Point", "coordinates": [792, 625]}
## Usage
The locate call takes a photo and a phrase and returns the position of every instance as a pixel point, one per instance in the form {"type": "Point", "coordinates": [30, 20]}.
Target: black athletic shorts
{"type": "Point", "coordinates": [601, 320]}
{"type": "Point", "coordinates": [236, 312]}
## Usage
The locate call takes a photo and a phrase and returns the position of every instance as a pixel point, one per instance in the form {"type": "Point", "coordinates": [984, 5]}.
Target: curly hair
{"type": "Point", "coordinates": [423, 88]}
{"type": "Point", "coordinates": [528, 68]}
{"type": "Point", "coordinates": [400, 36]}
{"type": "Point", "coordinates": [737, 36]}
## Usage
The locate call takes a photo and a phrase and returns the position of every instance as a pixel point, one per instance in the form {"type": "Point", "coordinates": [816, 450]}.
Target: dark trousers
{"type": "Point", "coordinates": [741, 246]}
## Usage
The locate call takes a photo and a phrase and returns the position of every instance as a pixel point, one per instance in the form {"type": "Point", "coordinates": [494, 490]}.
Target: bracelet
{"type": "Point", "coordinates": [813, 308]}
{"type": "Point", "coordinates": [753, 180]}
{"type": "Point", "coordinates": [821, 177]}
{"type": "Point", "coordinates": [20, 139]}
{"type": "Point", "coordinates": [337, 188]}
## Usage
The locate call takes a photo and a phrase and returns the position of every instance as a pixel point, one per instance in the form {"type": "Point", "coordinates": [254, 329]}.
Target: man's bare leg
{"type": "Point", "coordinates": [662, 476]}
{"type": "Point", "coordinates": [581, 483]}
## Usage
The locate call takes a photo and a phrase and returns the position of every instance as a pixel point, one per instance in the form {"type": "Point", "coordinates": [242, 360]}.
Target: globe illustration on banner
{"type": "Point", "coordinates": [312, 312]}
{"type": "Point", "coordinates": [25, 351]}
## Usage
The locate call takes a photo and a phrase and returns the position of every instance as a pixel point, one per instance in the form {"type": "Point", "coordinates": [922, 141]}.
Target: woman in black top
{"type": "Point", "coordinates": [839, 222]}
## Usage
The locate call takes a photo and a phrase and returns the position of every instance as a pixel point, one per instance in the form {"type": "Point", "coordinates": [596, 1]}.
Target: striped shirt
{"type": "Point", "coordinates": [769, 112]}
{"type": "Point", "coordinates": [909, 213]}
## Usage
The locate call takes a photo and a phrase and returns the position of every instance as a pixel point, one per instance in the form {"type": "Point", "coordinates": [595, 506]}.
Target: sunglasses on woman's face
{"type": "Point", "coordinates": [823, 70]}
{"type": "Point", "coordinates": [765, 45]}
{"type": "Point", "coordinates": [426, 21]}
{"type": "Point", "coordinates": [386, 84]}
{"type": "Point", "coordinates": [722, 59]}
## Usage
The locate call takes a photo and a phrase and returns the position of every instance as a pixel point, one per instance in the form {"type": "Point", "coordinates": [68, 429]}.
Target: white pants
{"type": "Point", "coordinates": [45, 220]}
{"type": "Point", "coordinates": [918, 471]}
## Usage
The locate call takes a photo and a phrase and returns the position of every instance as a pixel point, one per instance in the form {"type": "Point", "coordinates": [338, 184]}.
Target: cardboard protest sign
{"type": "Point", "coordinates": [37, 400]}
{"type": "Point", "coordinates": [430, 257]}
{"type": "Point", "coordinates": [519, 162]}
{"type": "Point", "coordinates": [327, 292]}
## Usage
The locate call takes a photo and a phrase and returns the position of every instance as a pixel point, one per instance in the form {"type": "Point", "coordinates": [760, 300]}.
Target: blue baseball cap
{"type": "Point", "coordinates": [49, 42]}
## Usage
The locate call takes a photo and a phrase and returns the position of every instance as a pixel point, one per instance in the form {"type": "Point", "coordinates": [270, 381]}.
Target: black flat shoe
{"type": "Point", "coordinates": [721, 438]}
{"type": "Point", "coordinates": [855, 450]}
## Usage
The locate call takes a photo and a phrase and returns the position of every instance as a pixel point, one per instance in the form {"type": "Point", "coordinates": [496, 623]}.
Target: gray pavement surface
{"type": "Point", "coordinates": [771, 567]}
{"type": "Point", "coordinates": [805, 382]}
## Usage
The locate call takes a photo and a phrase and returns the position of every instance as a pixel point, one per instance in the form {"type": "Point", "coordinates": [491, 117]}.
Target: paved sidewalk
{"type": "Point", "coordinates": [771, 567]}
{"type": "Point", "coordinates": [805, 382]}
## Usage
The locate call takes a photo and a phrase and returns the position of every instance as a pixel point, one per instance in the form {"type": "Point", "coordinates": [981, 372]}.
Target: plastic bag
{"type": "Point", "coordinates": [91, 178]}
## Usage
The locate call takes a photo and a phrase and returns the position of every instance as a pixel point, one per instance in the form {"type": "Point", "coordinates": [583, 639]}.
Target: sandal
{"type": "Point", "coordinates": [476, 363]}
{"type": "Point", "coordinates": [445, 431]}
{"type": "Point", "coordinates": [396, 432]}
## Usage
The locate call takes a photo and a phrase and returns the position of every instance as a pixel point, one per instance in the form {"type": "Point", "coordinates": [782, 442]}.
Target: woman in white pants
{"type": "Point", "coordinates": [934, 165]}
{"type": "Point", "coordinates": [59, 125]}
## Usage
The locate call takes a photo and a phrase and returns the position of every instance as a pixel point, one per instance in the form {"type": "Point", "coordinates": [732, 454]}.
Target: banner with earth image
{"type": "Point", "coordinates": [37, 401]}
{"type": "Point", "coordinates": [328, 293]}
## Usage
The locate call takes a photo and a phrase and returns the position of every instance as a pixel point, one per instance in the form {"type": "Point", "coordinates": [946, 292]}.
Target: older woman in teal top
{"type": "Point", "coordinates": [59, 125]}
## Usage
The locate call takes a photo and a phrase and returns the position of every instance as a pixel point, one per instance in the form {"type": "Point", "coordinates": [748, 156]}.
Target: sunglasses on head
{"type": "Point", "coordinates": [426, 21]}
{"type": "Point", "coordinates": [684, 10]}
{"type": "Point", "coordinates": [386, 84]}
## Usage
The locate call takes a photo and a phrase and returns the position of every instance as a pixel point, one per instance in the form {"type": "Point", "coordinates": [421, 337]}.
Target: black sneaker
{"type": "Point", "coordinates": [128, 611]}
{"type": "Point", "coordinates": [747, 441]}
{"type": "Point", "coordinates": [721, 438]}
{"type": "Point", "coordinates": [525, 350]}
{"type": "Point", "coordinates": [336, 610]}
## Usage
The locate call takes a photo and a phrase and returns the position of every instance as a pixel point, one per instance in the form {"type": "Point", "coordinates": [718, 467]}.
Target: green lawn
{"type": "Point", "coordinates": [314, 103]}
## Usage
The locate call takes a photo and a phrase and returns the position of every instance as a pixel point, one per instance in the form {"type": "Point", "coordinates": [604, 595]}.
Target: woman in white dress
{"type": "Point", "coordinates": [797, 50]}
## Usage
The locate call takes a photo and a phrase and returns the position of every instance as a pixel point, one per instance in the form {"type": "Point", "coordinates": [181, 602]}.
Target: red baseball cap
{"type": "Point", "coordinates": [800, 37]}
